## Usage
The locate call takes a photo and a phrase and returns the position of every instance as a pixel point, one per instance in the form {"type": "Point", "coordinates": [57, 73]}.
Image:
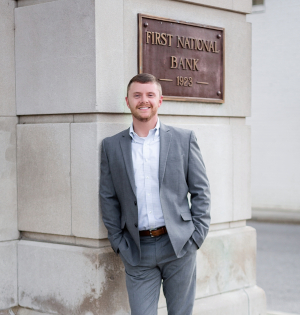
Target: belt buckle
{"type": "Point", "coordinates": [150, 231]}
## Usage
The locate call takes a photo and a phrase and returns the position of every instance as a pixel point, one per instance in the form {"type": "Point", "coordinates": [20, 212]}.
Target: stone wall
{"type": "Point", "coordinates": [73, 61]}
{"type": "Point", "coordinates": [8, 155]}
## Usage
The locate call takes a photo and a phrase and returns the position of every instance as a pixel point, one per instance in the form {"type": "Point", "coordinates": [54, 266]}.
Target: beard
{"type": "Point", "coordinates": [135, 113]}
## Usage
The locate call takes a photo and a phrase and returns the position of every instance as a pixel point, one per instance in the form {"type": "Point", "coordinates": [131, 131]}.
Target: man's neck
{"type": "Point", "coordinates": [142, 128]}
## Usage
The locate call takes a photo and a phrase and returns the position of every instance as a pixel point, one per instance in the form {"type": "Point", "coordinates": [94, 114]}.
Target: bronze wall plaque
{"type": "Point", "coordinates": [187, 58]}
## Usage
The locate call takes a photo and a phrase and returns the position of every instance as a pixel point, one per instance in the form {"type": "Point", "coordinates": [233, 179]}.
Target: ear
{"type": "Point", "coordinates": [160, 100]}
{"type": "Point", "coordinates": [127, 102]}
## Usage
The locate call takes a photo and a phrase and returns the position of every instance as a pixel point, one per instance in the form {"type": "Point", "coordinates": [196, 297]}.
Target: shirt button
{"type": "Point", "coordinates": [147, 177]}
{"type": "Point", "coordinates": [150, 211]}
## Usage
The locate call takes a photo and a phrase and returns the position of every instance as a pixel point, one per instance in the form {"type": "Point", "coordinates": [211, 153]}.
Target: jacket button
{"type": "Point", "coordinates": [136, 225]}
{"type": "Point", "coordinates": [135, 203]}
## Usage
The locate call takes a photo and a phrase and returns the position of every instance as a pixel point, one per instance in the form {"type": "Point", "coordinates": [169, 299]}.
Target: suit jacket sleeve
{"type": "Point", "coordinates": [110, 206]}
{"type": "Point", "coordinates": [200, 192]}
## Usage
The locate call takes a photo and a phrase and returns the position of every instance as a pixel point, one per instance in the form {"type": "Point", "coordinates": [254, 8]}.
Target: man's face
{"type": "Point", "coordinates": [143, 100]}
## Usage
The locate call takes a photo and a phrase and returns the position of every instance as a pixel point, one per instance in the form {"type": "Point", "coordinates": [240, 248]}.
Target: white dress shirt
{"type": "Point", "coordinates": [145, 159]}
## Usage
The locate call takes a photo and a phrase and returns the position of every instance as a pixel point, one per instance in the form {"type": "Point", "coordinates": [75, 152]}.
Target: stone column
{"type": "Point", "coordinates": [8, 184]}
{"type": "Point", "coordinates": [73, 62]}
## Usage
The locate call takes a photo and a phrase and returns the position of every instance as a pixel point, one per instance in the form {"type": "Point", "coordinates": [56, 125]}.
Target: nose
{"type": "Point", "coordinates": [144, 98]}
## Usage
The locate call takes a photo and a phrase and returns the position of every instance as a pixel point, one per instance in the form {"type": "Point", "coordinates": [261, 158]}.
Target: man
{"type": "Point", "coordinates": [147, 172]}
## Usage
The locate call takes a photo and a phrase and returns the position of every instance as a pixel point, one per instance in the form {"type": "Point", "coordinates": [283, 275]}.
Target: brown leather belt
{"type": "Point", "coordinates": [154, 232]}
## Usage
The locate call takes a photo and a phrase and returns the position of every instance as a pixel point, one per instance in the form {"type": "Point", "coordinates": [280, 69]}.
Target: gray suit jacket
{"type": "Point", "coordinates": [181, 170]}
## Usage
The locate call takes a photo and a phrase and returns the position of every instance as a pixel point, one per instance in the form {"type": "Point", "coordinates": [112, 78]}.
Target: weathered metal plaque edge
{"type": "Point", "coordinates": [140, 57]}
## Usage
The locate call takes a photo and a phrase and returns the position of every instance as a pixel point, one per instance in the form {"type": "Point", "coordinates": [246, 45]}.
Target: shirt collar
{"type": "Point", "coordinates": [156, 130]}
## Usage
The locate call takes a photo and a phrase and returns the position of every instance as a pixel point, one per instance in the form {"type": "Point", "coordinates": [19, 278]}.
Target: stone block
{"type": "Point", "coordinates": [225, 262]}
{"type": "Point", "coordinates": [10, 311]}
{"type": "Point", "coordinates": [55, 57]}
{"type": "Point", "coordinates": [110, 59]}
{"type": "Point", "coordinates": [257, 300]}
{"type": "Point", "coordinates": [241, 170]}
{"type": "Point", "coordinates": [215, 142]}
{"type": "Point", "coordinates": [67, 57]}
{"type": "Point", "coordinates": [8, 179]}
{"type": "Point", "coordinates": [8, 275]}
{"type": "Point", "coordinates": [238, 69]}
{"type": "Point", "coordinates": [7, 60]}
{"type": "Point", "coordinates": [85, 169]}
{"type": "Point", "coordinates": [235, 302]}
{"type": "Point", "coordinates": [71, 280]}
{"type": "Point", "coordinates": [47, 82]}
{"type": "Point", "coordinates": [237, 54]}
{"type": "Point", "coordinates": [243, 6]}
{"type": "Point", "coordinates": [44, 192]}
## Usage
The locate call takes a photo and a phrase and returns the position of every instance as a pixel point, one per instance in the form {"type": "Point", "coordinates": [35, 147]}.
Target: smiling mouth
{"type": "Point", "coordinates": [143, 108]}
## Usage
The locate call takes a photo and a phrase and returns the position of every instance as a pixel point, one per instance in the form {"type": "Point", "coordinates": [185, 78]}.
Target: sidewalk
{"type": "Point", "coordinates": [275, 216]}
{"type": "Point", "coordinates": [278, 261]}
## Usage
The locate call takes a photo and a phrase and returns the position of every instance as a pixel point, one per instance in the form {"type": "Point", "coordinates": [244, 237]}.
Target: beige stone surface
{"type": "Point", "coordinates": [237, 55]}
{"type": "Point", "coordinates": [7, 61]}
{"type": "Point", "coordinates": [55, 57]}
{"type": "Point", "coordinates": [226, 153]}
{"type": "Point", "coordinates": [106, 58]}
{"type": "Point", "coordinates": [44, 192]}
{"type": "Point", "coordinates": [230, 303]}
{"type": "Point", "coordinates": [215, 142]}
{"type": "Point", "coordinates": [78, 67]}
{"type": "Point", "coordinates": [9, 311]}
{"type": "Point", "coordinates": [71, 280]}
{"type": "Point", "coordinates": [241, 170]}
{"type": "Point", "coordinates": [85, 169]}
{"type": "Point", "coordinates": [110, 58]}
{"type": "Point", "coordinates": [257, 300]}
{"type": "Point", "coordinates": [244, 6]}
{"type": "Point", "coordinates": [8, 179]}
{"type": "Point", "coordinates": [85, 181]}
{"type": "Point", "coordinates": [225, 262]}
{"type": "Point", "coordinates": [8, 275]}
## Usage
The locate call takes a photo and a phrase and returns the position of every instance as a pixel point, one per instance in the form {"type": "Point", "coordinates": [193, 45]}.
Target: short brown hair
{"type": "Point", "coordinates": [145, 78]}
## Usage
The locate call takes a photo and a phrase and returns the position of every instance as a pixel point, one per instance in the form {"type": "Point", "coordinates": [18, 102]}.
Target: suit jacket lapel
{"type": "Point", "coordinates": [165, 140]}
{"type": "Point", "coordinates": [125, 143]}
